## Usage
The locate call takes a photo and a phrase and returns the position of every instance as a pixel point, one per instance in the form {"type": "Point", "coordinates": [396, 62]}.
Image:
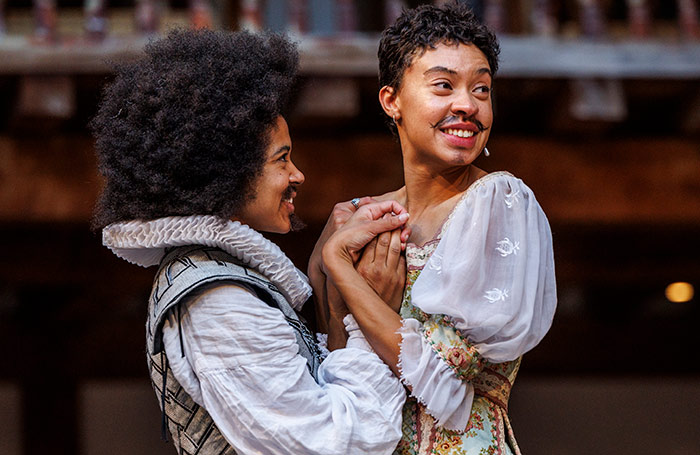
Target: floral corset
{"type": "Point", "coordinates": [488, 428]}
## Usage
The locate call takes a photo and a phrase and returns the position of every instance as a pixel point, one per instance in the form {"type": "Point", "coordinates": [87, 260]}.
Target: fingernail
{"type": "Point", "coordinates": [403, 217]}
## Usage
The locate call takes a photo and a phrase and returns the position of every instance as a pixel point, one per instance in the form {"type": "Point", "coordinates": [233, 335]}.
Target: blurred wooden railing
{"type": "Point", "coordinates": [331, 17]}
{"type": "Point", "coordinates": [540, 38]}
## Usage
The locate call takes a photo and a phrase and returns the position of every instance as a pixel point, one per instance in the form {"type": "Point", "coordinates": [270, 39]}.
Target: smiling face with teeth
{"type": "Point", "coordinates": [272, 205]}
{"type": "Point", "coordinates": [443, 107]}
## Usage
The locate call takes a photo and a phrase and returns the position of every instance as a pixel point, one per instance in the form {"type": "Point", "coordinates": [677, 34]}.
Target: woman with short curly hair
{"type": "Point", "coordinates": [480, 288]}
{"type": "Point", "coordinates": [197, 161]}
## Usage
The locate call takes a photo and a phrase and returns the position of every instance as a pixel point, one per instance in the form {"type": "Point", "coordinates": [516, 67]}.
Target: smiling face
{"type": "Point", "coordinates": [272, 206]}
{"type": "Point", "coordinates": [443, 107]}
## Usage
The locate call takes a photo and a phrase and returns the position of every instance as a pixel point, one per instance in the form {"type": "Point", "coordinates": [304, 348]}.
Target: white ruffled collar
{"type": "Point", "coordinates": [144, 243]}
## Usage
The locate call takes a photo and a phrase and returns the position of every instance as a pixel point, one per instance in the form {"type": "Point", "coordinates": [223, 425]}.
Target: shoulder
{"type": "Point", "coordinates": [499, 186]}
{"type": "Point", "coordinates": [226, 307]}
{"type": "Point", "coordinates": [499, 180]}
{"type": "Point", "coordinates": [498, 194]}
{"type": "Point", "coordinates": [396, 195]}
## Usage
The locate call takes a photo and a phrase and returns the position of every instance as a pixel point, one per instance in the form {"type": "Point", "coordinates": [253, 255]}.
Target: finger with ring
{"type": "Point", "coordinates": [356, 202]}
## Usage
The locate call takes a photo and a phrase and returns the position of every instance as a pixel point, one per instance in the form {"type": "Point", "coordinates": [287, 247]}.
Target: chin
{"type": "Point", "coordinates": [280, 230]}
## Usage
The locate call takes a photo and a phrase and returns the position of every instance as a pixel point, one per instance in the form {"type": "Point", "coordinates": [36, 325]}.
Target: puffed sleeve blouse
{"type": "Point", "coordinates": [492, 276]}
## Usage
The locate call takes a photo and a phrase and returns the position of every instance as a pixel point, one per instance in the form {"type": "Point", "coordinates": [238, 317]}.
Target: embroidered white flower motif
{"type": "Point", "coordinates": [511, 198]}
{"type": "Point", "coordinates": [506, 247]}
{"type": "Point", "coordinates": [435, 263]}
{"type": "Point", "coordinates": [495, 294]}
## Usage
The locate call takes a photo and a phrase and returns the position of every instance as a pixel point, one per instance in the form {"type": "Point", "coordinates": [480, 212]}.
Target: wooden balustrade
{"type": "Point", "coordinates": [591, 18]}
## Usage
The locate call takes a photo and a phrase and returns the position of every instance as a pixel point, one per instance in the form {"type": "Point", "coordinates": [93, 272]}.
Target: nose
{"type": "Point", "coordinates": [464, 105]}
{"type": "Point", "coordinates": [296, 176]}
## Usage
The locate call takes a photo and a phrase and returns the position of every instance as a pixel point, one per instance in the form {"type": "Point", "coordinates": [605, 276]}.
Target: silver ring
{"type": "Point", "coordinates": [356, 202]}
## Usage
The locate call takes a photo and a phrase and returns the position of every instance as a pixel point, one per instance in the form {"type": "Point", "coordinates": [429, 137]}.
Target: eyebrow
{"type": "Point", "coordinates": [438, 69]}
{"type": "Point", "coordinates": [282, 150]}
{"type": "Point", "coordinates": [442, 69]}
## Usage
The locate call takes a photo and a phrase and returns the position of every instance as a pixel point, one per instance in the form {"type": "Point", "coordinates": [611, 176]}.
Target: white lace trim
{"type": "Point", "coordinates": [144, 242]}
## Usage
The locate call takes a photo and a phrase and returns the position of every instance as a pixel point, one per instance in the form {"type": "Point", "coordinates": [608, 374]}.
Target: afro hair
{"type": "Point", "coordinates": [184, 130]}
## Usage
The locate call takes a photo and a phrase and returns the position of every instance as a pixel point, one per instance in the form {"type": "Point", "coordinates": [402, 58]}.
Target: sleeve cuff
{"type": "Point", "coordinates": [447, 398]}
{"type": "Point", "coordinates": [356, 339]}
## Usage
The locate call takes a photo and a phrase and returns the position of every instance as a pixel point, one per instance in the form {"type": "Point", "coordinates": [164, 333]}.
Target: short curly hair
{"type": "Point", "coordinates": [423, 28]}
{"type": "Point", "coordinates": [184, 130]}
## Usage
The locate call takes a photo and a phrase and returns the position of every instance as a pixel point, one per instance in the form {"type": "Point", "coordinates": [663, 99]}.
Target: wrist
{"type": "Point", "coordinates": [335, 262]}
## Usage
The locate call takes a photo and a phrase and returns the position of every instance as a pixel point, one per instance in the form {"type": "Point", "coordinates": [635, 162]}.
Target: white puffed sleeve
{"type": "Point", "coordinates": [241, 363]}
{"type": "Point", "coordinates": [493, 270]}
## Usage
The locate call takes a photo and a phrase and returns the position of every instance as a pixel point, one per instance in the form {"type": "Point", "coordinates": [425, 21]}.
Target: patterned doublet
{"type": "Point", "coordinates": [488, 430]}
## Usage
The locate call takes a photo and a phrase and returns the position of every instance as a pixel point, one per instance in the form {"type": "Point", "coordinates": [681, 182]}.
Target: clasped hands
{"type": "Point", "coordinates": [366, 242]}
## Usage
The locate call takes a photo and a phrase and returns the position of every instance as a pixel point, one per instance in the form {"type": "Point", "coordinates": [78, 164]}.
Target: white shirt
{"type": "Point", "coordinates": [241, 362]}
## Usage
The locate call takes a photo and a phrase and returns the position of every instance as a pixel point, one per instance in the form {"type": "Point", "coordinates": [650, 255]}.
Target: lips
{"type": "Point", "coordinates": [289, 202]}
{"type": "Point", "coordinates": [288, 198]}
{"type": "Point", "coordinates": [289, 194]}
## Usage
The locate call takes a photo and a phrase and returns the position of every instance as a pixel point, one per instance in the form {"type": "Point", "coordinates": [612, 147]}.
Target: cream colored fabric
{"type": "Point", "coordinates": [144, 242]}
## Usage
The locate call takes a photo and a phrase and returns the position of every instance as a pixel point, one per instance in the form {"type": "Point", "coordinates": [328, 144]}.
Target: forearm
{"type": "Point", "coordinates": [336, 310]}
{"type": "Point", "coordinates": [379, 323]}
{"type": "Point", "coordinates": [317, 279]}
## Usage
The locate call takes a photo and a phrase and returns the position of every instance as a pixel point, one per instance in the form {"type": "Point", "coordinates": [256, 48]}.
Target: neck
{"type": "Point", "coordinates": [426, 189]}
{"type": "Point", "coordinates": [431, 191]}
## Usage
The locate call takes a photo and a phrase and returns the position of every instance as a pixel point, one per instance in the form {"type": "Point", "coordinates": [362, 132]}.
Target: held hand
{"type": "Point", "coordinates": [315, 271]}
{"type": "Point", "coordinates": [345, 245]}
{"type": "Point", "coordinates": [342, 211]}
{"type": "Point", "coordinates": [383, 267]}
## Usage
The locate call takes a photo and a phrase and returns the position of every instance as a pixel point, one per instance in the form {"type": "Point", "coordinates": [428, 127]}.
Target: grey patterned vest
{"type": "Point", "coordinates": [182, 271]}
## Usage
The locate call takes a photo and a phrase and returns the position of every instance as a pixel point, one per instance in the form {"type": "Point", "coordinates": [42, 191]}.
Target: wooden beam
{"type": "Point", "coordinates": [617, 181]}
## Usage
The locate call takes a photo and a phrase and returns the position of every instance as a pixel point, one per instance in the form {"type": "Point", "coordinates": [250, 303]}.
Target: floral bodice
{"type": "Point", "coordinates": [489, 430]}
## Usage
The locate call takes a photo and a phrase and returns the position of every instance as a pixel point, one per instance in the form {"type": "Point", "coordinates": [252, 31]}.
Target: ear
{"type": "Point", "coordinates": [389, 100]}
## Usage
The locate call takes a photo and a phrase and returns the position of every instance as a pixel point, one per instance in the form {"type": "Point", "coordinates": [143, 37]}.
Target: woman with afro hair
{"type": "Point", "coordinates": [196, 157]}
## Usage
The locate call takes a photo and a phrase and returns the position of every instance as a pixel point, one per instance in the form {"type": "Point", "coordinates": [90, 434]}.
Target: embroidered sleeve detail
{"type": "Point", "coordinates": [506, 247]}
{"type": "Point", "coordinates": [512, 198]}
{"type": "Point", "coordinates": [435, 263]}
{"type": "Point", "coordinates": [457, 352]}
{"type": "Point", "coordinates": [495, 294]}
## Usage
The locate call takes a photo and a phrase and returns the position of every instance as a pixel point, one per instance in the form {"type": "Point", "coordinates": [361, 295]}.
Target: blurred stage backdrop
{"type": "Point", "coordinates": [597, 109]}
